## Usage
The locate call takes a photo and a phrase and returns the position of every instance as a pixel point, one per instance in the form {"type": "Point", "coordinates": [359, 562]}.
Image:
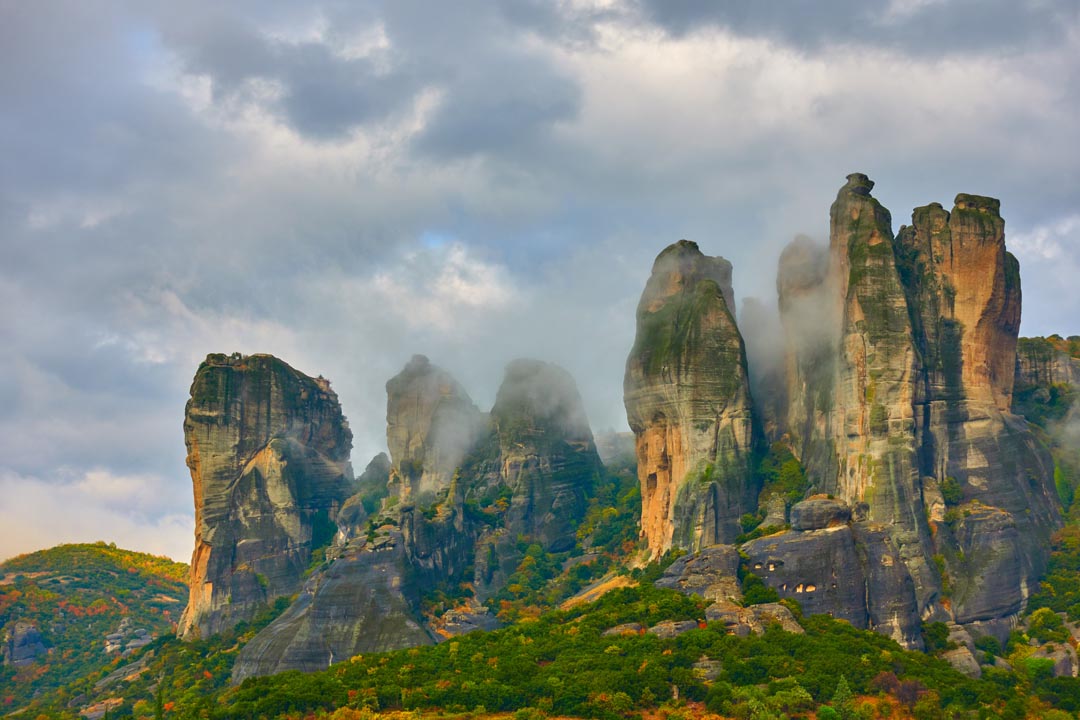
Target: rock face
{"type": "Point", "coordinates": [712, 573]}
{"type": "Point", "coordinates": [430, 424]}
{"type": "Point", "coordinates": [901, 408]}
{"type": "Point", "coordinates": [1042, 363]}
{"type": "Point", "coordinates": [362, 602]}
{"type": "Point", "coordinates": [268, 450]}
{"type": "Point", "coordinates": [900, 354]}
{"type": "Point", "coordinates": [688, 402]}
{"type": "Point", "coordinates": [22, 644]}
{"type": "Point", "coordinates": [463, 489]}
{"type": "Point", "coordinates": [819, 513]}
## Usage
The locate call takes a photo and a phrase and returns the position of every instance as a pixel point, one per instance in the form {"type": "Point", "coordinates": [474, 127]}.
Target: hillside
{"type": "Point", "coordinates": [69, 610]}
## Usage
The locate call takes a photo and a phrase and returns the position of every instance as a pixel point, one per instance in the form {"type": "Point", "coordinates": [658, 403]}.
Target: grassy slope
{"type": "Point", "coordinates": [76, 595]}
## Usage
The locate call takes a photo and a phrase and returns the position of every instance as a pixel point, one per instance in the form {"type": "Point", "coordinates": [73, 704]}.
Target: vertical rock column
{"type": "Point", "coordinates": [688, 402]}
{"type": "Point", "coordinates": [965, 296]}
{"type": "Point", "coordinates": [268, 450]}
{"type": "Point", "coordinates": [872, 425]}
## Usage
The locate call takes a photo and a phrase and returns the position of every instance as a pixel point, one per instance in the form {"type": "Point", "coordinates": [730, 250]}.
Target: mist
{"type": "Point", "coordinates": [344, 186]}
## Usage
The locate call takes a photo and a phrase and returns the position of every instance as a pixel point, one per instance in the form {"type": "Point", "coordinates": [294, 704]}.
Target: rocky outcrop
{"type": "Point", "coordinates": [901, 408]}
{"type": "Point", "coordinates": [712, 573]}
{"type": "Point", "coordinates": [819, 513]}
{"type": "Point", "coordinates": [1042, 363]}
{"type": "Point", "coordinates": [743, 621]}
{"type": "Point", "coordinates": [809, 313]}
{"type": "Point", "coordinates": [464, 489]}
{"type": "Point", "coordinates": [540, 457]}
{"type": "Point", "coordinates": [964, 293]}
{"type": "Point", "coordinates": [431, 423]}
{"type": "Point", "coordinates": [268, 450]}
{"type": "Point", "coordinates": [819, 568]}
{"type": "Point", "coordinates": [23, 644]}
{"type": "Point", "coordinates": [688, 402]}
{"type": "Point", "coordinates": [364, 601]}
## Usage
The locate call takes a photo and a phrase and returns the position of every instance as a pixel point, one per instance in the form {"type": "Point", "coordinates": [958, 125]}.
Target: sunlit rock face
{"type": "Point", "coordinates": [934, 501]}
{"type": "Point", "coordinates": [268, 449]}
{"type": "Point", "coordinates": [687, 397]}
{"type": "Point", "coordinates": [906, 400]}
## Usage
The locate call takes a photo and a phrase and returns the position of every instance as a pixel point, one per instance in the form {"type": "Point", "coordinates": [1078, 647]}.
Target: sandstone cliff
{"type": "Point", "coordinates": [688, 402]}
{"type": "Point", "coordinates": [268, 450]}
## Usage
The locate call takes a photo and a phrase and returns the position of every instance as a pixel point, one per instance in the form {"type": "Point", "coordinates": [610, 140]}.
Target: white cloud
{"type": "Point", "coordinates": [1053, 241]}
{"type": "Point", "coordinates": [442, 288]}
{"type": "Point", "coordinates": [93, 505]}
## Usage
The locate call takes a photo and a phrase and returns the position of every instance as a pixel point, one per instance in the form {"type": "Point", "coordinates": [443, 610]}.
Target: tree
{"type": "Point", "coordinates": [843, 700]}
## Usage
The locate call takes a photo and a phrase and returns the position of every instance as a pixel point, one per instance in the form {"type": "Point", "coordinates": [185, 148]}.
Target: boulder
{"type": "Point", "coordinates": [711, 573]}
{"type": "Point", "coordinates": [819, 513]}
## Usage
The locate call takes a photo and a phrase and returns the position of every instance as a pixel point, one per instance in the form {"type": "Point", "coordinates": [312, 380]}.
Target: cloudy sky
{"type": "Point", "coordinates": [344, 184]}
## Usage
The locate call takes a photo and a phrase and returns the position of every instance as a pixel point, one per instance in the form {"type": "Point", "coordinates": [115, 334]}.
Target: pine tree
{"type": "Point", "coordinates": [844, 700]}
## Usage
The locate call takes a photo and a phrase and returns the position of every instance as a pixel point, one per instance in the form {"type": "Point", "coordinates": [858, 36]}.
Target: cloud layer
{"type": "Point", "coordinates": [346, 184]}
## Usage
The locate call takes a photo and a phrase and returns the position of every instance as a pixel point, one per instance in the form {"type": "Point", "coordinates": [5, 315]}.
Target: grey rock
{"type": "Point", "coordinates": [820, 569]}
{"type": "Point", "coordinates": [624, 629]}
{"type": "Point", "coordinates": [711, 573]}
{"type": "Point", "coordinates": [1063, 656]}
{"type": "Point", "coordinates": [23, 644]}
{"type": "Point", "coordinates": [363, 602]}
{"type": "Point", "coordinates": [819, 513]}
{"type": "Point", "coordinates": [963, 660]}
{"type": "Point", "coordinates": [706, 669]}
{"type": "Point", "coordinates": [672, 628]}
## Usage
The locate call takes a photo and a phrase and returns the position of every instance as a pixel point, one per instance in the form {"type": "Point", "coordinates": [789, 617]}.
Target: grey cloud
{"type": "Point", "coordinates": [931, 26]}
{"type": "Point", "coordinates": [140, 229]}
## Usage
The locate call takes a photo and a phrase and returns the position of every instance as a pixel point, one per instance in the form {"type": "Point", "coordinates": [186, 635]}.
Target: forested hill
{"type": "Point", "coordinates": [71, 609]}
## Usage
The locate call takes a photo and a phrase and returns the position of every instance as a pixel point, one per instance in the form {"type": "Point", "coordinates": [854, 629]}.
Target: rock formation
{"type": "Point", "coordinates": [688, 402]}
{"type": "Point", "coordinates": [900, 358]}
{"type": "Point", "coordinates": [430, 424]}
{"type": "Point", "coordinates": [902, 409]}
{"type": "Point", "coordinates": [268, 450]}
{"type": "Point", "coordinates": [23, 644]}
{"type": "Point", "coordinates": [1042, 363]}
{"type": "Point", "coordinates": [464, 488]}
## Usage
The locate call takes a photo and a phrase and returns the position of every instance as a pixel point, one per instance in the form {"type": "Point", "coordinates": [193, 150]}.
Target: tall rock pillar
{"type": "Point", "coordinates": [268, 450]}
{"type": "Point", "coordinates": [687, 397]}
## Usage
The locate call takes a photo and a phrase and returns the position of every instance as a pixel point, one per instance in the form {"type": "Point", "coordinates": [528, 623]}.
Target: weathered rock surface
{"type": "Point", "coordinates": [268, 450]}
{"type": "Point", "coordinates": [819, 513]}
{"type": "Point", "coordinates": [23, 644]}
{"type": "Point", "coordinates": [711, 573]}
{"type": "Point", "coordinates": [899, 405]}
{"type": "Point", "coordinates": [672, 628]}
{"type": "Point", "coordinates": [963, 660]}
{"type": "Point", "coordinates": [548, 457]}
{"type": "Point", "coordinates": [754, 619]}
{"type": "Point", "coordinates": [964, 291]}
{"type": "Point", "coordinates": [363, 602]}
{"type": "Point", "coordinates": [809, 313]}
{"type": "Point", "coordinates": [1042, 363]}
{"type": "Point", "coordinates": [688, 402]}
{"type": "Point", "coordinates": [1062, 655]}
{"type": "Point", "coordinates": [819, 568]}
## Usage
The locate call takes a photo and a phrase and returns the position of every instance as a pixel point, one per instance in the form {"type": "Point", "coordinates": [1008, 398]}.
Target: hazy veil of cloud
{"type": "Point", "coordinates": [347, 184]}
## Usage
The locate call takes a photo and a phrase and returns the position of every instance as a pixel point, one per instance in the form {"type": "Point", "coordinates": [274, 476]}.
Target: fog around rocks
{"type": "Point", "coordinates": [345, 185]}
